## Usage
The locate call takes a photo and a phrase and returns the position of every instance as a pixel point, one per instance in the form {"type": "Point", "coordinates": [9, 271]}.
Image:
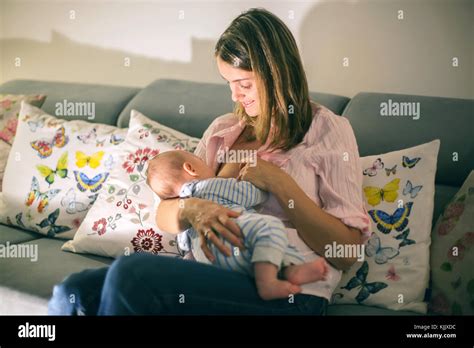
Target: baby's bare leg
{"type": "Point", "coordinates": [269, 286]}
{"type": "Point", "coordinates": [306, 272]}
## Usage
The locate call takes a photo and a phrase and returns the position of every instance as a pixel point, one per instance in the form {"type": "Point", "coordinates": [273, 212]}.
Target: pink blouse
{"type": "Point", "coordinates": [325, 165]}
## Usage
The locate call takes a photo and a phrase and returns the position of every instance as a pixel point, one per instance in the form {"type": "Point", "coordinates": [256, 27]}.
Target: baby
{"type": "Point", "coordinates": [267, 252]}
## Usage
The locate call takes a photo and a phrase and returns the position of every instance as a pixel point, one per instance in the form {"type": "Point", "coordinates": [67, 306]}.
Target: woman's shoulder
{"type": "Point", "coordinates": [327, 128]}
{"type": "Point", "coordinates": [222, 122]}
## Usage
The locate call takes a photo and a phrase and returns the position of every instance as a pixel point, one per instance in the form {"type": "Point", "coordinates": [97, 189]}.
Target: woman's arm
{"type": "Point", "coordinates": [169, 217]}
{"type": "Point", "coordinates": [206, 217]}
{"type": "Point", "coordinates": [316, 227]}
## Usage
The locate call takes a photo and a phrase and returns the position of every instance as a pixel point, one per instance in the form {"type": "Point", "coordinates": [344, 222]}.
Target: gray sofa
{"type": "Point", "coordinates": [26, 286]}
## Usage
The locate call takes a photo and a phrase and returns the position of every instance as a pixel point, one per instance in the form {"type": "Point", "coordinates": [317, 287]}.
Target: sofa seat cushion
{"type": "Point", "coordinates": [14, 235]}
{"type": "Point", "coordinates": [26, 286]}
{"type": "Point", "coordinates": [363, 310]}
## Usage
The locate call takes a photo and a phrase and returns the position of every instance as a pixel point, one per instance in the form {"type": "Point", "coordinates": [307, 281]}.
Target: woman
{"type": "Point", "coordinates": [307, 161]}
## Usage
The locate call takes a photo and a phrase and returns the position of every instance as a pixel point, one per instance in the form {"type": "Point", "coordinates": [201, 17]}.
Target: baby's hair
{"type": "Point", "coordinates": [165, 173]}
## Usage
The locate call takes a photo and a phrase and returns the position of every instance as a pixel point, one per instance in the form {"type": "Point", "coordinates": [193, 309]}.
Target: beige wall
{"type": "Point", "coordinates": [385, 54]}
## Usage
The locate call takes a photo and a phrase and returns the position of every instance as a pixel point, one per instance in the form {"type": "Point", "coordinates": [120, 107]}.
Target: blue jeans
{"type": "Point", "coordinates": [145, 284]}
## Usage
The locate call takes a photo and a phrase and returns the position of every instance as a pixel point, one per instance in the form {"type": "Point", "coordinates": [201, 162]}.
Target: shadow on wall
{"type": "Point", "coordinates": [66, 60]}
{"type": "Point", "coordinates": [413, 55]}
{"type": "Point", "coordinates": [385, 54]}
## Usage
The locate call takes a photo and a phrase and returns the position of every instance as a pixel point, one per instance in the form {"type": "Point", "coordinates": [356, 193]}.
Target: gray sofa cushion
{"type": "Point", "coordinates": [335, 103]}
{"type": "Point", "coordinates": [202, 102]}
{"type": "Point", "coordinates": [363, 310]}
{"type": "Point", "coordinates": [162, 100]}
{"type": "Point", "coordinates": [110, 100]}
{"type": "Point", "coordinates": [26, 286]}
{"type": "Point", "coordinates": [15, 235]}
{"type": "Point", "coordinates": [443, 195]}
{"type": "Point", "coordinates": [448, 119]}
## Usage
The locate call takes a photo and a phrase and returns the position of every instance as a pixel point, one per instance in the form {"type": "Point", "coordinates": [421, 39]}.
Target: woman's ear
{"type": "Point", "coordinates": [188, 167]}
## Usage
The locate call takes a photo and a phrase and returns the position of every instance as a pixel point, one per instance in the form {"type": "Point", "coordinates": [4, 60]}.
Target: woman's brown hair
{"type": "Point", "coordinates": [259, 41]}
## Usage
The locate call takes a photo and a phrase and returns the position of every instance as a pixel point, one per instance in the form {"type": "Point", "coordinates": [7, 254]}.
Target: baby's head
{"type": "Point", "coordinates": [170, 170]}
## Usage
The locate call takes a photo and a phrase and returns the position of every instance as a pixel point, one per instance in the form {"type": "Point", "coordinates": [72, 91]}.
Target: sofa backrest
{"type": "Point", "coordinates": [191, 106]}
{"type": "Point", "coordinates": [109, 100]}
{"type": "Point", "coordinates": [448, 119]}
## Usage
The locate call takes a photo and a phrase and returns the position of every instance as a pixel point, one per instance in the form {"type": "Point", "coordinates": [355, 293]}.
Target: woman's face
{"type": "Point", "coordinates": [243, 86]}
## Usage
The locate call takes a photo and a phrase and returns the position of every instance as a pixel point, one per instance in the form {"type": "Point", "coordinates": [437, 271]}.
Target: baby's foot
{"type": "Point", "coordinates": [307, 272]}
{"type": "Point", "coordinates": [274, 289]}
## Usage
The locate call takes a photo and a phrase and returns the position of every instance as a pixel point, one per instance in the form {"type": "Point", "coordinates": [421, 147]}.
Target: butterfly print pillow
{"type": "Point", "coordinates": [55, 170]}
{"type": "Point", "coordinates": [452, 255]}
{"type": "Point", "coordinates": [398, 188]}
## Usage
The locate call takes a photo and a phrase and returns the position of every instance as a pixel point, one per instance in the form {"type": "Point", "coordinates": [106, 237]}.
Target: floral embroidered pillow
{"type": "Point", "coordinates": [123, 219]}
{"type": "Point", "coordinates": [9, 110]}
{"type": "Point", "coordinates": [452, 255]}
{"type": "Point", "coordinates": [393, 271]}
{"type": "Point", "coordinates": [55, 170]}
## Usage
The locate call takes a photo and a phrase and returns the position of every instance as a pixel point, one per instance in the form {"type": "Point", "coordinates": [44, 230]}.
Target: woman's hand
{"type": "Point", "coordinates": [210, 219]}
{"type": "Point", "coordinates": [262, 174]}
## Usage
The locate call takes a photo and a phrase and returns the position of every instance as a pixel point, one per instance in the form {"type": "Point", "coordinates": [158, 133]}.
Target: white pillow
{"type": "Point", "coordinates": [9, 109]}
{"type": "Point", "coordinates": [123, 219]}
{"type": "Point", "coordinates": [399, 195]}
{"type": "Point", "coordinates": [452, 255]}
{"type": "Point", "coordinates": [55, 170]}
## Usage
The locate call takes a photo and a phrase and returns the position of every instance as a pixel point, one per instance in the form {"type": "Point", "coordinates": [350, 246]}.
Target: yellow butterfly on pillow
{"type": "Point", "coordinates": [48, 173]}
{"type": "Point", "coordinates": [93, 161]}
{"type": "Point", "coordinates": [85, 183]}
{"type": "Point", "coordinates": [388, 193]}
